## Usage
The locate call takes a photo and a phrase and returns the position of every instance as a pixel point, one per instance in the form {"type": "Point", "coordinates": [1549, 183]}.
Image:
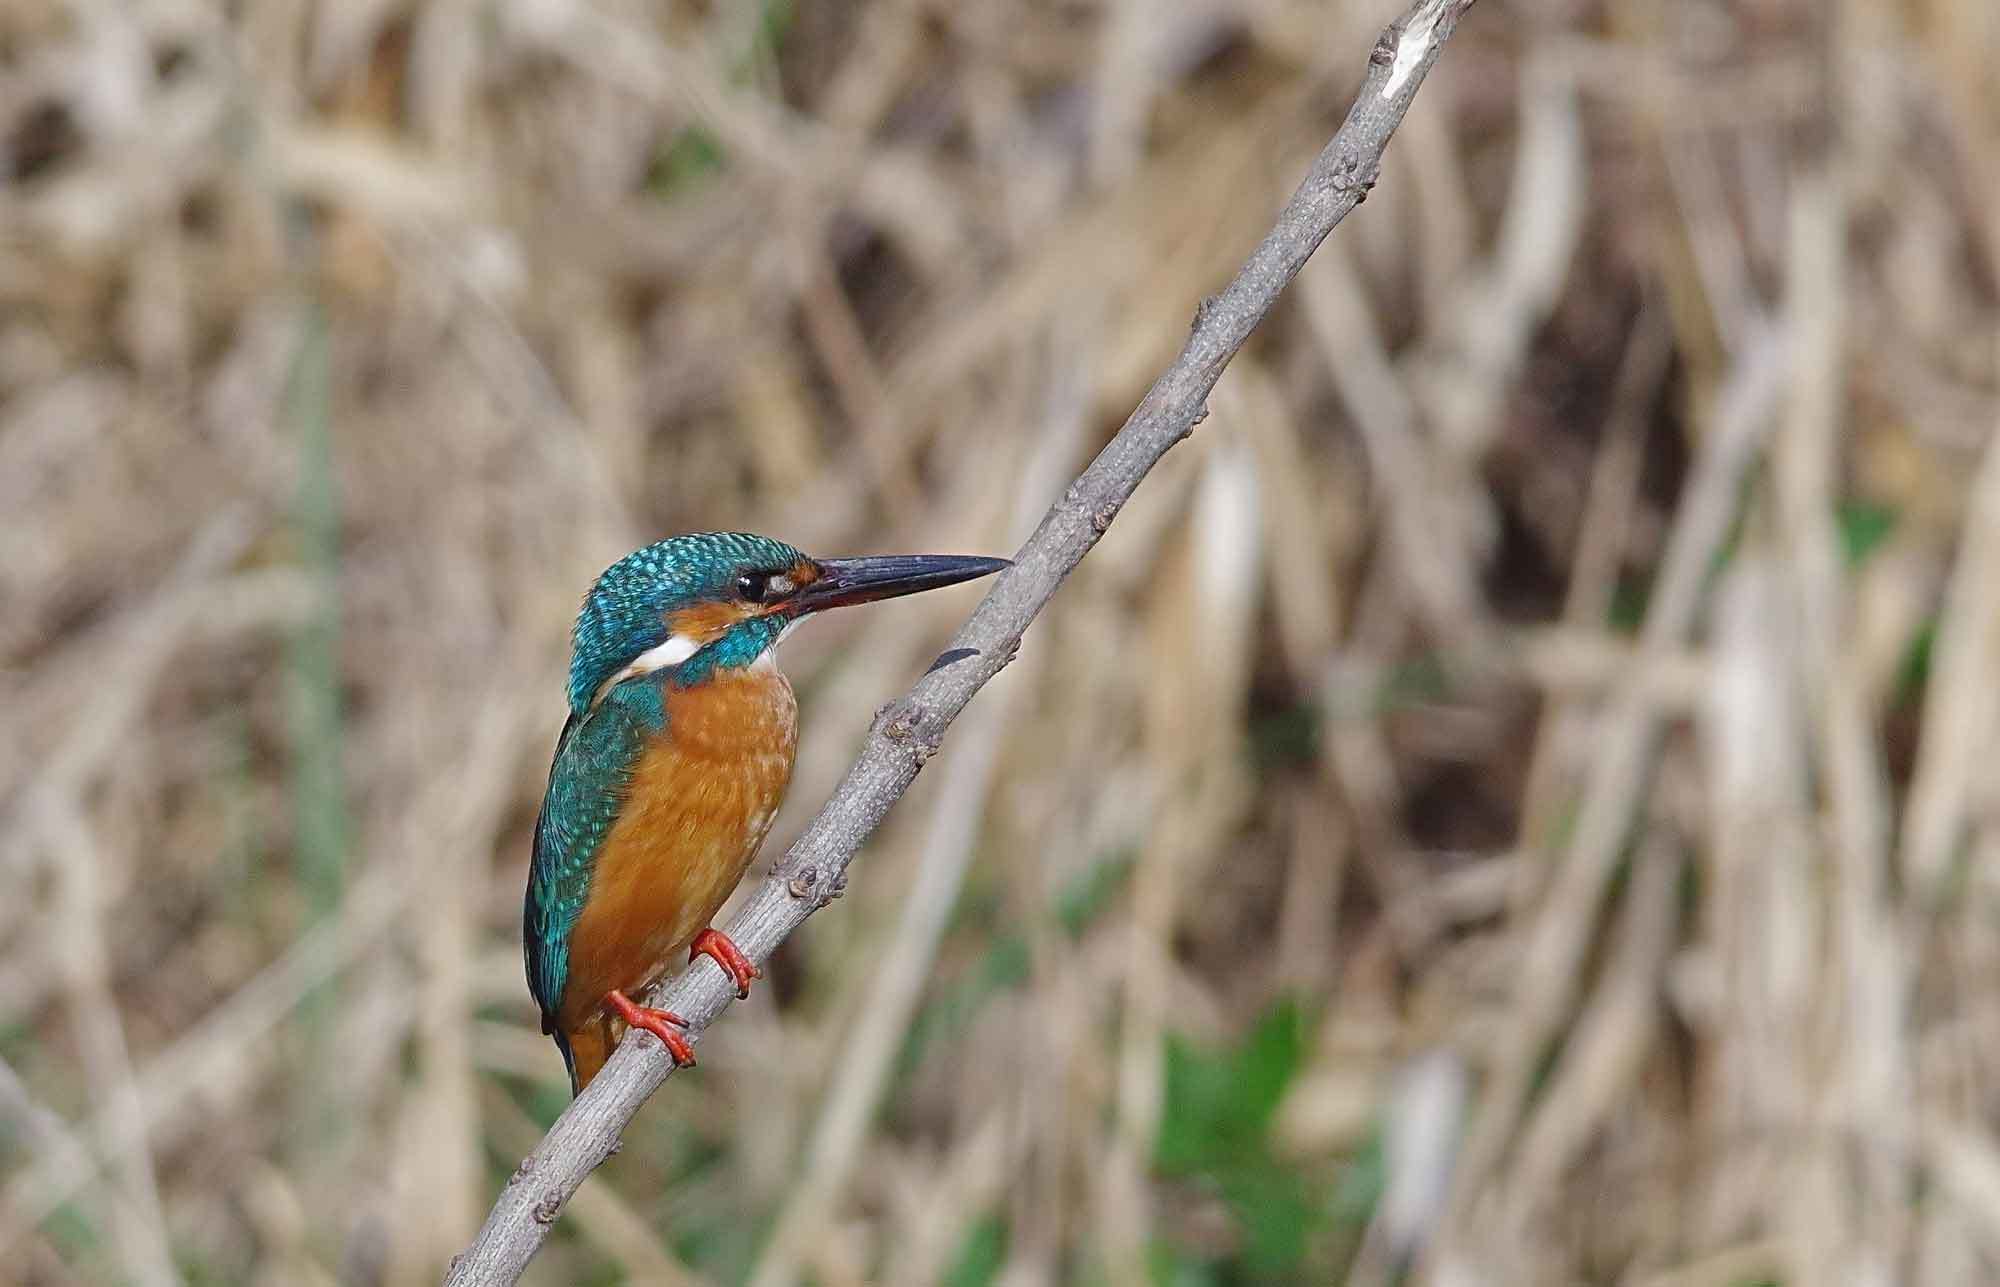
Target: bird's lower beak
{"type": "Point", "coordinates": [845, 581]}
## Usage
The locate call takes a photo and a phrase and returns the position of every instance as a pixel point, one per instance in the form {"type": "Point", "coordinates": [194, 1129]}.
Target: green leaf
{"type": "Point", "coordinates": [1090, 891]}
{"type": "Point", "coordinates": [1915, 671]}
{"type": "Point", "coordinates": [1219, 1103]}
{"type": "Point", "coordinates": [74, 1230]}
{"type": "Point", "coordinates": [1276, 1215]}
{"type": "Point", "coordinates": [691, 159]}
{"type": "Point", "coordinates": [1006, 966]}
{"type": "Point", "coordinates": [1362, 1184]}
{"type": "Point", "coordinates": [1419, 681]}
{"type": "Point", "coordinates": [1286, 738]}
{"type": "Point", "coordinates": [981, 1253]}
{"type": "Point", "coordinates": [776, 25]}
{"type": "Point", "coordinates": [1169, 1266]}
{"type": "Point", "coordinates": [1629, 598]}
{"type": "Point", "coordinates": [1863, 527]}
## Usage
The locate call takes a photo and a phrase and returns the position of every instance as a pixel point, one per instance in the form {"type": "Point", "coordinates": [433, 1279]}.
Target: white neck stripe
{"type": "Point", "coordinates": [677, 649]}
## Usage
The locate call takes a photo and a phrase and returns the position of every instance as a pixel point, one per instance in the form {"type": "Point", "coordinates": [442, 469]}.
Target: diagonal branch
{"type": "Point", "coordinates": [909, 730]}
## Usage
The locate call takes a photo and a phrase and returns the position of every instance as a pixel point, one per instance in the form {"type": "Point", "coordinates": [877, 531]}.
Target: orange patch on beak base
{"type": "Point", "coordinates": [804, 573]}
{"type": "Point", "coordinates": [787, 601]}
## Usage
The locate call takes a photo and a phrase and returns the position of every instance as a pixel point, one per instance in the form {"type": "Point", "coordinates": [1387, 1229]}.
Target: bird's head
{"type": "Point", "coordinates": [698, 603]}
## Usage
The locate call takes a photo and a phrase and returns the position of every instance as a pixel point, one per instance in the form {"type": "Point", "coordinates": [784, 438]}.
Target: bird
{"type": "Point", "coordinates": [673, 760]}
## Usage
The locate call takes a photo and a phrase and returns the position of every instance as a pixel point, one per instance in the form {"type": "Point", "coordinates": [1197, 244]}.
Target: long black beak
{"type": "Point", "coordinates": [845, 581]}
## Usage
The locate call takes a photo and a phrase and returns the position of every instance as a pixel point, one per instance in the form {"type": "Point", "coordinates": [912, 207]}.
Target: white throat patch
{"type": "Point", "coordinates": [677, 649]}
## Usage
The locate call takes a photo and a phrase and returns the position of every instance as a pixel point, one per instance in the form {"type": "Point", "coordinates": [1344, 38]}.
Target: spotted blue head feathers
{"type": "Point", "coordinates": [628, 611]}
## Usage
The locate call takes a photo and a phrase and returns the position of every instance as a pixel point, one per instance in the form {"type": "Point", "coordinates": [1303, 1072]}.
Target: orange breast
{"type": "Point", "coordinates": [702, 798]}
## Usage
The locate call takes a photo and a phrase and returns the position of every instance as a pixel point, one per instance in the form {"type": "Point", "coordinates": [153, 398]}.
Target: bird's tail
{"type": "Point", "coordinates": [585, 1050]}
{"type": "Point", "coordinates": [569, 1057]}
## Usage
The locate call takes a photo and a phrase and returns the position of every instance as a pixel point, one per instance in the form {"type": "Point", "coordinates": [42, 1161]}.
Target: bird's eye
{"type": "Point", "coordinates": [765, 587]}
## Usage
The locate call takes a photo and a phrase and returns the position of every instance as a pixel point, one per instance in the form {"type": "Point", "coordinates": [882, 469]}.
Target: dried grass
{"type": "Point", "coordinates": [1562, 665]}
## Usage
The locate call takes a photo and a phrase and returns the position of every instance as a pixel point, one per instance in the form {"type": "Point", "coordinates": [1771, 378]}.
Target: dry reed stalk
{"type": "Point", "coordinates": [596, 271]}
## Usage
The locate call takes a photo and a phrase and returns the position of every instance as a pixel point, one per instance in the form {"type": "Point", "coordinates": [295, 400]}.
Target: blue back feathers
{"type": "Point", "coordinates": [623, 616]}
{"type": "Point", "coordinates": [587, 784]}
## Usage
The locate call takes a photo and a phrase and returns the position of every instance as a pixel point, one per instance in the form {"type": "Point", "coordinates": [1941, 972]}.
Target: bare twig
{"type": "Point", "coordinates": [854, 1092]}
{"type": "Point", "coordinates": [909, 730]}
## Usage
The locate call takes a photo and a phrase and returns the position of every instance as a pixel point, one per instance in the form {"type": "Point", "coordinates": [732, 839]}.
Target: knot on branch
{"type": "Point", "coordinates": [906, 722]}
{"type": "Point", "coordinates": [811, 883]}
{"type": "Point", "coordinates": [548, 1208]}
{"type": "Point", "coordinates": [1351, 172]}
{"type": "Point", "coordinates": [831, 889]}
{"type": "Point", "coordinates": [897, 720]}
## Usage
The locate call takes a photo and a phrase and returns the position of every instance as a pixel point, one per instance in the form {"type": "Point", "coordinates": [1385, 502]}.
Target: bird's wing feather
{"type": "Point", "coordinates": [587, 785]}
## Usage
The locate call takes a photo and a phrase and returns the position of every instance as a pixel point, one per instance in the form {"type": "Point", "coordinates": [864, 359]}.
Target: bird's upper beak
{"type": "Point", "coordinates": [845, 581]}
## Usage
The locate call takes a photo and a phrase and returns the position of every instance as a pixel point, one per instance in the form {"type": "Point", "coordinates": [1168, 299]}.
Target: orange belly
{"type": "Point", "coordinates": [701, 799]}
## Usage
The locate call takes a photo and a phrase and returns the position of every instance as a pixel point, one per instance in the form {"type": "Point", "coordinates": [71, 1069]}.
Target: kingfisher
{"type": "Point", "coordinates": [670, 768]}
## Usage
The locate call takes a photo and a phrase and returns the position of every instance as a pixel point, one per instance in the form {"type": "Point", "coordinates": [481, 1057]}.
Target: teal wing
{"type": "Point", "coordinates": [587, 785]}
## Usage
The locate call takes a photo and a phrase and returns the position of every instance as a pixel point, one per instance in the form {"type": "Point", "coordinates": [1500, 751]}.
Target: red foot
{"type": "Point", "coordinates": [661, 1023]}
{"type": "Point", "coordinates": [717, 947]}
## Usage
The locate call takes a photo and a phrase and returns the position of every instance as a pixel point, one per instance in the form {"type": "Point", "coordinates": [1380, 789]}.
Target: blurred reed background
{"type": "Point", "coordinates": [1508, 802]}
